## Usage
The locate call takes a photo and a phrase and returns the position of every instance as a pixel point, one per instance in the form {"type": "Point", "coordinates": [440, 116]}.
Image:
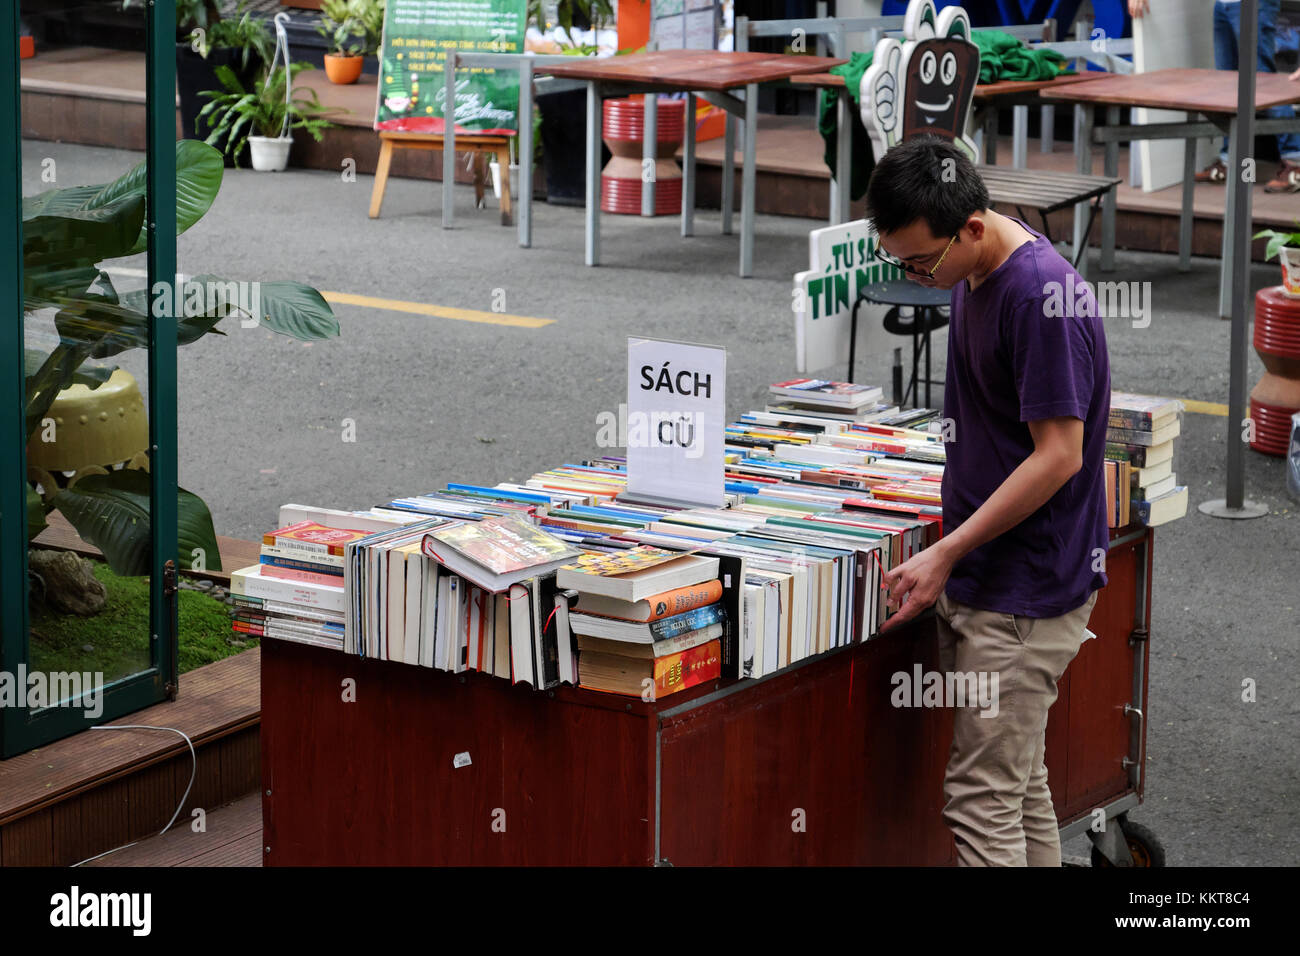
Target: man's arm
{"type": "Point", "coordinates": [1057, 455]}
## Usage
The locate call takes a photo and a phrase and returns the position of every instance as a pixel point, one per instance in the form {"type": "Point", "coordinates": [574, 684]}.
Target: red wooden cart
{"type": "Point", "coordinates": [811, 765]}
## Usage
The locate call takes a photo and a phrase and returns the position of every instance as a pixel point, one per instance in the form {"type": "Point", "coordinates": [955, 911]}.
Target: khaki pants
{"type": "Point", "coordinates": [998, 805]}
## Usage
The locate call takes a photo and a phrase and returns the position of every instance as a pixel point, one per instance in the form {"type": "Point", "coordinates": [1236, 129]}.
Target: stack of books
{"type": "Point", "coordinates": [647, 621]}
{"type": "Point", "coordinates": [839, 401]}
{"type": "Point", "coordinates": [296, 591]}
{"type": "Point", "coordinates": [1141, 484]}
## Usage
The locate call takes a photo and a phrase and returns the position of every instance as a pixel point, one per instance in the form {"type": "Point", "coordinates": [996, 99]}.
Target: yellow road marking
{"type": "Point", "coordinates": [1205, 408]}
{"type": "Point", "coordinates": [439, 311]}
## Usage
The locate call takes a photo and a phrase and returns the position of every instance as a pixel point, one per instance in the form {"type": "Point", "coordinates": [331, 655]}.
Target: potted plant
{"type": "Point", "coordinates": [71, 237]}
{"type": "Point", "coordinates": [204, 41]}
{"type": "Point", "coordinates": [353, 28]}
{"type": "Point", "coordinates": [563, 130]}
{"type": "Point", "coordinates": [1286, 246]}
{"type": "Point", "coordinates": [264, 117]}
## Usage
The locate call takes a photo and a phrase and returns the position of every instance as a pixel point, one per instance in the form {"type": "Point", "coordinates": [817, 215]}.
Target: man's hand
{"type": "Point", "coordinates": [917, 583]}
{"type": "Point", "coordinates": [1137, 7]}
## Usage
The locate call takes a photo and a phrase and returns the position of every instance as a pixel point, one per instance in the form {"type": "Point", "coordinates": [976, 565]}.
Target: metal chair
{"type": "Point", "coordinates": [928, 307]}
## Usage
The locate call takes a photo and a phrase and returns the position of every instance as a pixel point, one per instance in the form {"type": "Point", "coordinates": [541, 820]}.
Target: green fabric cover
{"type": "Point", "coordinates": [1002, 57]}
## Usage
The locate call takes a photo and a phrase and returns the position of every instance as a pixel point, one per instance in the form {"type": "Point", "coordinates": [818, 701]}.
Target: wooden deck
{"type": "Point", "coordinates": [98, 790]}
{"type": "Point", "coordinates": [233, 837]}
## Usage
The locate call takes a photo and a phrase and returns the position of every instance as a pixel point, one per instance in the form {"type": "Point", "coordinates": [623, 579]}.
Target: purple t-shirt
{"type": "Point", "coordinates": [1026, 345]}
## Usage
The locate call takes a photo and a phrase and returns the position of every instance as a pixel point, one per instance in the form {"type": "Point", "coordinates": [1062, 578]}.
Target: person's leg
{"type": "Point", "coordinates": [989, 762]}
{"type": "Point", "coordinates": [1051, 640]}
{"type": "Point", "coordinates": [994, 749]}
{"type": "Point", "coordinates": [1288, 144]}
{"type": "Point", "coordinates": [1227, 24]}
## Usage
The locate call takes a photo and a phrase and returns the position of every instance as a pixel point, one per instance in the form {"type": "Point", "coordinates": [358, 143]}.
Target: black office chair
{"type": "Point", "coordinates": [929, 312]}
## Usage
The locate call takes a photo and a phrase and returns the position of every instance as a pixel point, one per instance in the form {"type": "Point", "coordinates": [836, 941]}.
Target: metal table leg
{"type": "Point", "coordinates": [1234, 177]}
{"type": "Point", "coordinates": [649, 151]}
{"type": "Point", "coordinates": [1020, 137]}
{"type": "Point", "coordinates": [748, 182]}
{"type": "Point", "coordinates": [525, 197]}
{"type": "Point", "coordinates": [688, 169]}
{"type": "Point", "coordinates": [1047, 129]}
{"type": "Point", "coordinates": [1110, 200]}
{"type": "Point", "coordinates": [728, 171]}
{"type": "Point", "coordinates": [593, 173]}
{"type": "Point", "coordinates": [1083, 164]}
{"type": "Point", "coordinates": [842, 194]}
{"type": "Point", "coordinates": [449, 145]}
{"type": "Point", "coordinates": [991, 136]}
{"type": "Point", "coordinates": [1186, 217]}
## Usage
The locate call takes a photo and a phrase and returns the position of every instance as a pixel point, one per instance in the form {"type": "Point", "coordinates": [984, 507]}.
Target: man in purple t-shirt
{"type": "Point", "coordinates": [1015, 576]}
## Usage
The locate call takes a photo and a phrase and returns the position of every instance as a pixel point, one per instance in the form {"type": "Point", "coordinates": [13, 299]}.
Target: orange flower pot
{"type": "Point", "coordinates": [343, 69]}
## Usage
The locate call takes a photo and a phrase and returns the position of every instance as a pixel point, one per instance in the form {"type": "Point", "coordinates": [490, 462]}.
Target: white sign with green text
{"type": "Point", "coordinates": [842, 263]}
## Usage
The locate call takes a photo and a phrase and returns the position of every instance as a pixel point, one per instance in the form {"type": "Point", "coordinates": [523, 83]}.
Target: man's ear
{"type": "Point", "coordinates": [976, 226]}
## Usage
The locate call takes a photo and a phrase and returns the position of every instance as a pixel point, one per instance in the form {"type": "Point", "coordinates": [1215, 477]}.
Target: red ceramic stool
{"type": "Point", "coordinates": [1276, 397]}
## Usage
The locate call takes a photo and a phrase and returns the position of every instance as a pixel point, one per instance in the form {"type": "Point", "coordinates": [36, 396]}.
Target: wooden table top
{"type": "Point", "coordinates": [983, 91]}
{"type": "Point", "coordinates": [1199, 91]}
{"type": "Point", "coordinates": [691, 69]}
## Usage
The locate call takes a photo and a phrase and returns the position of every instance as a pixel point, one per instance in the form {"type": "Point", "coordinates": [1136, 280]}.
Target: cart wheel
{"type": "Point", "coordinates": [1146, 848]}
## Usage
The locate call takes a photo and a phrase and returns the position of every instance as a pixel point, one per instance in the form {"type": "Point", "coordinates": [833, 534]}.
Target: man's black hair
{"type": "Point", "coordinates": [925, 178]}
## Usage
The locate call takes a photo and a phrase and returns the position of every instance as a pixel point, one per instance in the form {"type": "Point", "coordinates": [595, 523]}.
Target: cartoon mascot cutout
{"type": "Point", "coordinates": [924, 84]}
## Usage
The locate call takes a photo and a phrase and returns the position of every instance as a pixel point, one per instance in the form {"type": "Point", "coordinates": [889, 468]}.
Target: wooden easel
{"type": "Point", "coordinates": [480, 146]}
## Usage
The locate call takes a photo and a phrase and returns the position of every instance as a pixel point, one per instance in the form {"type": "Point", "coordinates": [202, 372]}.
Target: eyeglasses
{"type": "Point", "coordinates": [900, 264]}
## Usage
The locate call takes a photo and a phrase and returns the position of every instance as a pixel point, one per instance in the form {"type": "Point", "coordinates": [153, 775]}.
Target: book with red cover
{"type": "Point", "coordinates": [310, 536]}
{"type": "Point", "coordinates": [672, 673]}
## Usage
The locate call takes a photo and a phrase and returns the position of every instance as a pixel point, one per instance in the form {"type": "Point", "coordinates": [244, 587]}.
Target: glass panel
{"type": "Point", "coordinates": [85, 336]}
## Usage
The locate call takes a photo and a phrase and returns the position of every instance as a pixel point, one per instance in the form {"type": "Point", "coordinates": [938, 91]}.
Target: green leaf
{"type": "Point", "coordinates": [199, 169]}
{"type": "Point", "coordinates": [297, 310]}
{"type": "Point", "coordinates": [112, 513]}
{"type": "Point", "coordinates": [55, 202]}
{"type": "Point", "coordinates": [107, 327]}
{"type": "Point", "coordinates": [35, 513]}
{"type": "Point", "coordinates": [60, 251]}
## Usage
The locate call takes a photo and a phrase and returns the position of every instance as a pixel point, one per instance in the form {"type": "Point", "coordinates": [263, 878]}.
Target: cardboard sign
{"type": "Point", "coordinates": [842, 263]}
{"type": "Point", "coordinates": [417, 36]}
{"type": "Point", "coordinates": [923, 84]}
{"type": "Point", "coordinates": [676, 416]}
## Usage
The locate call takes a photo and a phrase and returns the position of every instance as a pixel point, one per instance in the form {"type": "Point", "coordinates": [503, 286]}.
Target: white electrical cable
{"type": "Point", "coordinates": [194, 766]}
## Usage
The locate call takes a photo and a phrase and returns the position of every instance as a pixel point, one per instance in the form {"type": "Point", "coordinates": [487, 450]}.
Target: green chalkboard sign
{"type": "Point", "coordinates": [417, 36]}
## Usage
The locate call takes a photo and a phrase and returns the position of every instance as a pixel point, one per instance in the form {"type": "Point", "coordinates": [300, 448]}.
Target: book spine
{"type": "Point", "coordinates": [298, 546]}
{"type": "Point", "coordinates": [288, 592]}
{"type": "Point", "coordinates": [1129, 436]}
{"type": "Point", "coordinates": [686, 669]}
{"type": "Point", "coordinates": [681, 600]}
{"type": "Point", "coordinates": [668, 627]}
{"type": "Point", "coordinates": [306, 577]}
{"type": "Point", "coordinates": [1134, 455]}
{"type": "Point", "coordinates": [1127, 418]}
{"type": "Point", "coordinates": [302, 564]}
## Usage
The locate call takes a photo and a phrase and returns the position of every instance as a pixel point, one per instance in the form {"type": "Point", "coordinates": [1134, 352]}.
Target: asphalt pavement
{"type": "Point", "coordinates": [264, 421]}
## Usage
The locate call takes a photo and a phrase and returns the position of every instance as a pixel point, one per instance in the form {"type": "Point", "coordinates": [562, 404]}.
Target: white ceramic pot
{"type": "Point", "coordinates": [270, 153]}
{"type": "Point", "coordinates": [496, 179]}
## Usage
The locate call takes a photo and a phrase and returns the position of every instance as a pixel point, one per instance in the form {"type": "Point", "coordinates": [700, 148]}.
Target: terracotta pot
{"type": "Point", "coordinates": [343, 69]}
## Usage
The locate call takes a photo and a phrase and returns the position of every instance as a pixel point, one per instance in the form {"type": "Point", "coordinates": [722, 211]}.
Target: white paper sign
{"type": "Point", "coordinates": [676, 415]}
{"type": "Point", "coordinates": [841, 262]}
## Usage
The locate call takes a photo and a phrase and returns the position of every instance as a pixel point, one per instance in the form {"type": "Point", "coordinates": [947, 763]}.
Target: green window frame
{"type": "Point", "coordinates": [21, 730]}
